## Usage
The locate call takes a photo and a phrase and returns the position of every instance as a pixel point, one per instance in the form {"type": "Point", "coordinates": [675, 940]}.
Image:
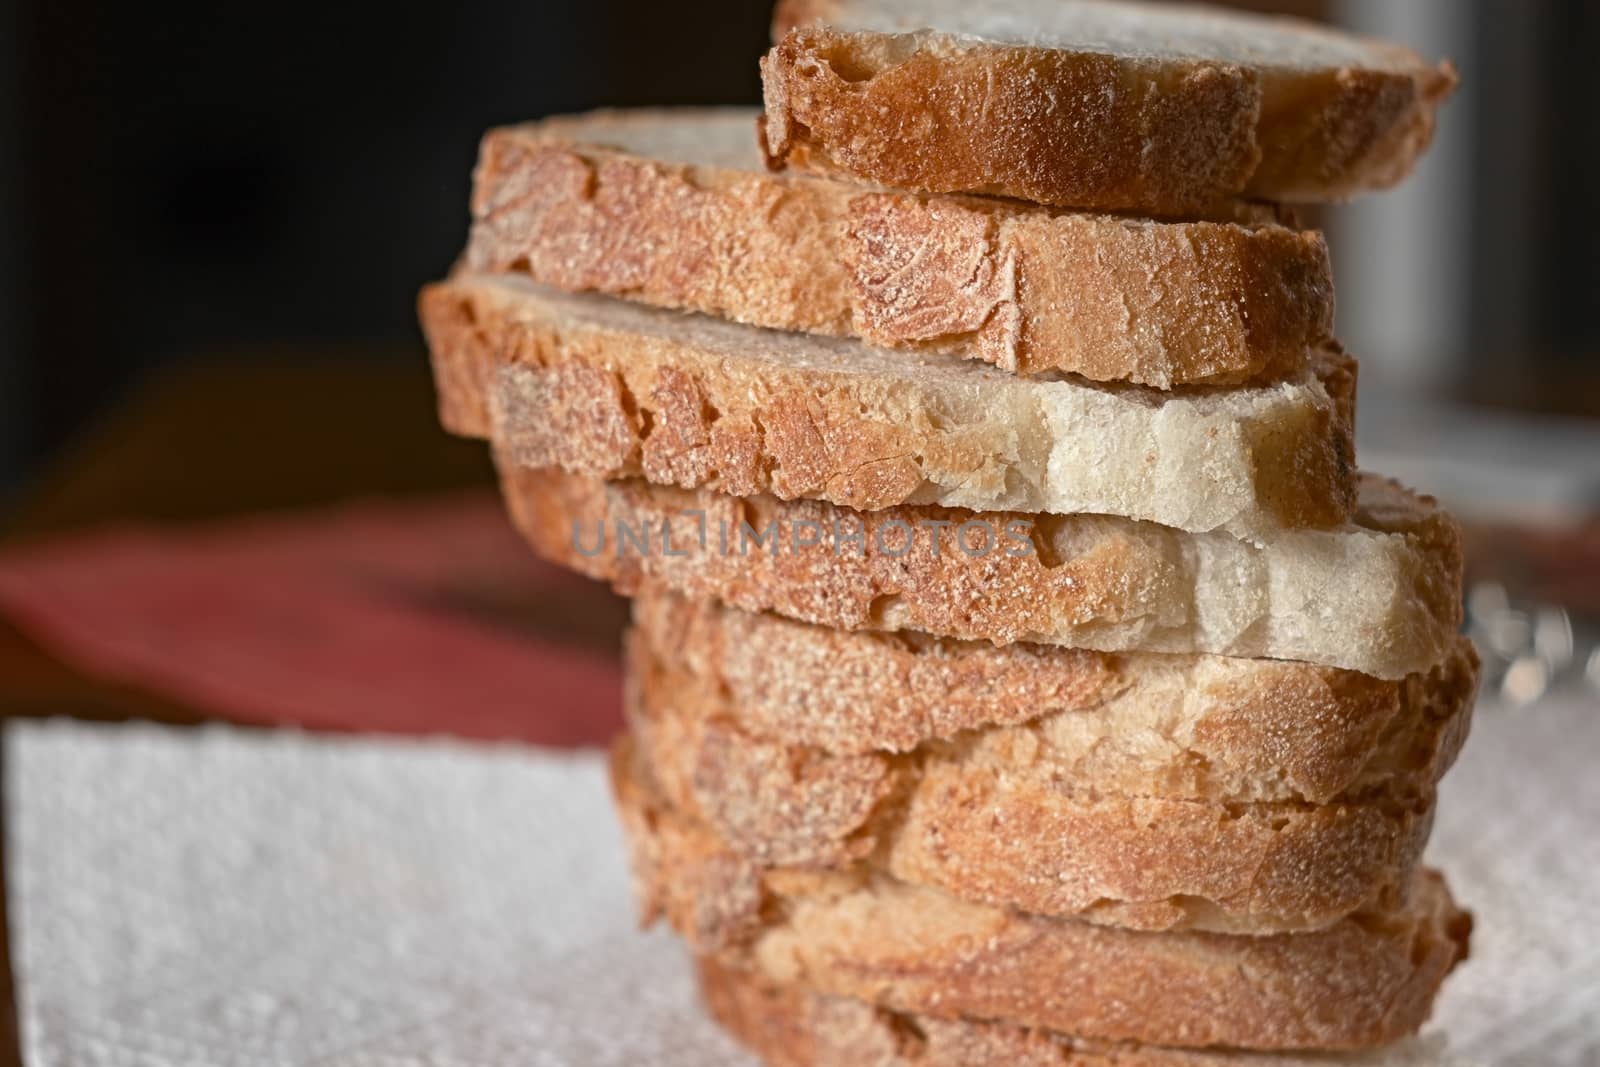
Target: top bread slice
{"type": "Point", "coordinates": [606, 387]}
{"type": "Point", "coordinates": [674, 208]}
{"type": "Point", "coordinates": [1093, 103]}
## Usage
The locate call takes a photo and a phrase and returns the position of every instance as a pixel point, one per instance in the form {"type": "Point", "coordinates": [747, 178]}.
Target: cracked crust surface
{"type": "Point", "coordinates": [791, 1026]}
{"type": "Point", "coordinates": [1363, 982]}
{"type": "Point", "coordinates": [674, 208]}
{"type": "Point", "coordinates": [600, 386]}
{"type": "Point", "coordinates": [1197, 727]}
{"type": "Point", "coordinates": [1094, 105]}
{"type": "Point", "coordinates": [1381, 596]}
{"type": "Point", "coordinates": [1049, 816]}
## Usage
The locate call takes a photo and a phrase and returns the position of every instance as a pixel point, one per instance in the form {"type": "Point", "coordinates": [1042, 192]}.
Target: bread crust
{"type": "Point", "coordinates": [1383, 598]}
{"type": "Point", "coordinates": [601, 387]}
{"type": "Point", "coordinates": [1089, 129]}
{"type": "Point", "coordinates": [791, 1026]}
{"type": "Point", "coordinates": [1029, 289]}
{"type": "Point", "coordinates": [1363, 982]}
{"type": "Point", "coordinates": [1192, 727]}
{"type": "Point", "coordinates": [1002, 816]}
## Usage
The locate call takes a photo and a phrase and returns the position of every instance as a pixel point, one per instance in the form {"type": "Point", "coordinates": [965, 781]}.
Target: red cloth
{"type": "Point", "coordinates": [413, 618]}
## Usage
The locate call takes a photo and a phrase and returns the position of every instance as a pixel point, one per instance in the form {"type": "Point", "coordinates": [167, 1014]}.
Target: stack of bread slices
{"type": "Point", "coordinates": [1021, 671]}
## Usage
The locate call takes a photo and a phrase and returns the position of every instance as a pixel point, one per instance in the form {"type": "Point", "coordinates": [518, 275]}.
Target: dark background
{"type": "Point", "coordinates": [203, 182]}
{"type": "Point", "coordinates": [188, 181]}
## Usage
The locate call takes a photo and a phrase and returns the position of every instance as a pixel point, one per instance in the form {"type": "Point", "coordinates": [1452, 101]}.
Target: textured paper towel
{"type": "Point", "coordinates": [221, 897]}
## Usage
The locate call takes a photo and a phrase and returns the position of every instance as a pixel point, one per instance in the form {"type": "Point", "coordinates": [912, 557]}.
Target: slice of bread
{"type": "Point", "coordinates": [1381, 596]}
{"type": "Point", "coordinates": [674, 208]}
{"type": "Point", "coordinates": [1093, 103]}
{"type": "Point", "coordinates": [791, 1026]}
{"type": "Point", "coordinates": [1363, 982]}
{"type": "Point", "coordinates": [1003, 817]}
{"type": "Point", "coordinates": [605, 387]}
{"type": "Point", "coordinates": [1187, 727]}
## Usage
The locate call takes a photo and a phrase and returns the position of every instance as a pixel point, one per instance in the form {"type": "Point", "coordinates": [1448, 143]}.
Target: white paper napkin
{"type": "Point", "coordinates": [222, 897]}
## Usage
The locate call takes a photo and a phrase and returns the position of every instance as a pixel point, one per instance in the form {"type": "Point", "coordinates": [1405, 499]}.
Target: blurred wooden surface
{"type": "Point", "coordinates": [260, 429]}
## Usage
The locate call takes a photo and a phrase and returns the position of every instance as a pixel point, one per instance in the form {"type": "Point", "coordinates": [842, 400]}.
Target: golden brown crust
{"type": "Point", "coordinates": [791, 1026]}
{"type": "Point", "coordinates": [1054, 127]}
{"type": "Point", "coordinates": [1346, 131]}
{"type": "Point", "coordinates": [734, 243]}
{"type": "Point", "coordinates": [1028, 289]}
{"type": "Point", "coordinates": [1194, 727]}
{"type": "Point", "coordinates": [1384, 600]}
{"type": "Point", "coordinates": [464, 354]}
{"type": "Point", "coordinates": [1110, 299]}
{"type": "Point", "coordinates": [600, 387]}
{"type": "Point", "coordinates": [1362, 982]}
{"type": "Point", "coordinates": [858, 692]}
{"type": "Point", "coordinates": [1151, 863]}
{"type": "Point", "coordinates": [1088, 129]}
{"type": "Point", "coordinates": [1018, 817]}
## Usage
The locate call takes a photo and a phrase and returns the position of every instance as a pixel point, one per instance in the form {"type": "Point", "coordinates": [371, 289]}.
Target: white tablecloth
{"type": "Point", "coordinates": [247, 898]}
